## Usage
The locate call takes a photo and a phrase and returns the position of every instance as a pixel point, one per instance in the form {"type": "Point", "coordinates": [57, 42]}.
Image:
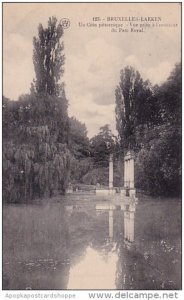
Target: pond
{"type": "Point", "coordinates": [81, 243]}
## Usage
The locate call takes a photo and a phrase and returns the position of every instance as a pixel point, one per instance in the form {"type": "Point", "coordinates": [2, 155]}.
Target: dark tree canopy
{"type": "Point", "coordinates": [48, 58]}
{"type": "Point", "coordinates": [170, 97]}
{"type": "Point", "coordinates": [102, 145]}
{"type": "Point", "coordinates": [136, 106]}
{"type": "Point", "coordinates": [79, 141]}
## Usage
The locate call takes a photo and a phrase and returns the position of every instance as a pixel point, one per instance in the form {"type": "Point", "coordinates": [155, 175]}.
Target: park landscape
{"type": "Point", "coordinates": [75, 214]}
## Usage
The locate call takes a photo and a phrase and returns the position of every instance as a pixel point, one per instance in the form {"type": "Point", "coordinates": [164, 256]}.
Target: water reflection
{"type": "Point", "coordinates": [95, 271]}
{"type": "Point", "coordinates": [129, 217]}
{"type": "Point", "coordinates": [98, 267]}
{"type": "Point", "coordinates": [128, 208]}
{"type": "Point", "coordinates": [87, 245]}
{"type": "Point", "coordinates": [110, 223]}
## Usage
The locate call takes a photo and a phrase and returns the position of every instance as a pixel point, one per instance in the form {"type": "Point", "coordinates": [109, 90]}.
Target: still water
{"type": "Point", "coordinates": [82, 244]}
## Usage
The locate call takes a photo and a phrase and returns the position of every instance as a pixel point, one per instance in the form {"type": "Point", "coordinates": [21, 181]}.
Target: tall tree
{"type": "Point", "coordinates": [135, 104]}
{"type": "Point", "coordinates": [170, 97]}
{"type": "Point", "coordinates": [36, 155]}
{"type": "Point", "coordinates": [51, 104]}
{"type": "Point", "coordinates": [48, 58]}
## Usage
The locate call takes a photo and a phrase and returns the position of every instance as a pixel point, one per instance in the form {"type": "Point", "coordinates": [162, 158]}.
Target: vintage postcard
{"type": "Point", "coordinates": [92, 147]}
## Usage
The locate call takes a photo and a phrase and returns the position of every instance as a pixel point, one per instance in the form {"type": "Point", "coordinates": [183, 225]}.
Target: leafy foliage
{"type": "Point", "coordinates": [27, 177]}
{"type": "Point", "coordinates": [170, 97]}
{"type": "Point", "coordinates": [102, 145]}
{"type": "Point", "coordinates": [79, 169]}
{"type": "Point", "coordinates": [79, 142]}
{"type": "Point", "coordinates": [36, 157]}
{"type": "Point", "coordinates": [136, 106]}
{"type": "Point", "coordinates": [48, 58]}
{"type": "Point", "coordinates": [158, 167]}
{"type": "Point", "coordinates": [101, 176]}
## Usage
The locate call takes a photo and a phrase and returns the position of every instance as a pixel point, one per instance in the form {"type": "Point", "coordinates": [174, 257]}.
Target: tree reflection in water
{"type": "Point", "coordinates": [98, 268]}
{"type": "Point", "coordinates": [92, 246]}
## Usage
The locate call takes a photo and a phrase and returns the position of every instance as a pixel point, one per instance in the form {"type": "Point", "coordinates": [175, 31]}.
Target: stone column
{"type": "Point", "coordinates": [132, 173]}
{"type": "Point", "coordinates": [125, 173]}
{"type": "Point", "coordinates": [131, 226]}
{"type": "Point", "coordinates": [125, 226]}
{"type": "Point", "coordinates": [129, 172]}
{"type": "Point", "coordinates": [111, 171]}
{"type": "Point", "coordinates": [111, 223]}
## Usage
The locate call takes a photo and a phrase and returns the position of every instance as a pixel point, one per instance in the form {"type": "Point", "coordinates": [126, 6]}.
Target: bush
{"type": "Point", "coordinates": [101, 176]}
{"type": "Point", "coordinates": [158, 169]}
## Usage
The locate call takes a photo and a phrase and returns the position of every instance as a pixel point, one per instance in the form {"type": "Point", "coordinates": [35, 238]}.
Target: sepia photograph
{"type": "Point", "coordinates": [92, 146]}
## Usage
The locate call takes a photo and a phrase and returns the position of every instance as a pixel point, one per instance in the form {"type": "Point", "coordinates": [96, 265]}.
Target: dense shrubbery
{"type": "Point", "coordinates": [101, 176]}
{"type": "Point", "coordinates": [79, 168]}
{"type": "Point", "coordinates": [158, 167]}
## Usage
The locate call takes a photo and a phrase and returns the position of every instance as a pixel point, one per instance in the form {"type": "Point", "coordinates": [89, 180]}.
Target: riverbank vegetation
{"type": "Point", "coordinates": [149, 122]}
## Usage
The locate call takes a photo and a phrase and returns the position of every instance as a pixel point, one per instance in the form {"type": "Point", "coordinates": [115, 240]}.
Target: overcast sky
{"type": "Point", "coordinates": [94, 57]}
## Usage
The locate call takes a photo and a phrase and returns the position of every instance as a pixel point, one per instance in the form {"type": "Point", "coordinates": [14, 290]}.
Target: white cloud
{"type": "Point", "coordinates": [91, 81]}
{"type": "Point", "coordinates": [159, 73]}
{"type": "Point", "coordinates": [100, 63]}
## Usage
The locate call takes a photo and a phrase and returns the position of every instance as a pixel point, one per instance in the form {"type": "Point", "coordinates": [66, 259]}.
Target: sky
{"type": "Point", "coordinates": [94, 56]}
